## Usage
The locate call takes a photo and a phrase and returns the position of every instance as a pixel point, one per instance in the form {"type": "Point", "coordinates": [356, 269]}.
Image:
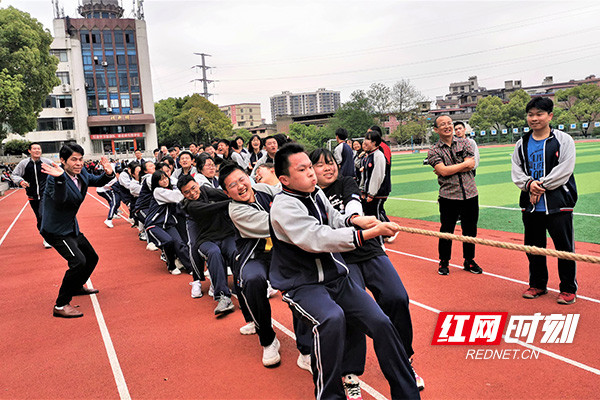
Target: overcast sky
{"type": "Point", "coordinates": [261, 48]}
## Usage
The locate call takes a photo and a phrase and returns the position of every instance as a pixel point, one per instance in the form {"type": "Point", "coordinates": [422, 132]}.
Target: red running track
{"type": "Point", "coordinates": [170, 346]}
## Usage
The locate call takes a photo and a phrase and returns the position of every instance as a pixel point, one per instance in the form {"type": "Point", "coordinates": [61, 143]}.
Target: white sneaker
{"type": "Point", "coordinates": [47, 245]}
{"type": "Point", "coordinates": [117, 216]}
{"type": "Point", "coordinates": [229, 271]}
{"type": "Point", "coordinates": [304, 362]}
{"type": "Point", "coordinates": [196, 289]}
{"type": "Point", "coordinates": [108, 223]}
{"type": "Point", "coordinates": [151, 246]}
{"type": "Point", "coordinates": [248, 329]}
{"type": "Point", "coordinates": [178, 264]}
{"type": "Point", "coordinates": [175, 271]}
{"type": "Point", "coordinates": [271, 355]}
{"type": "Point", "coordinates": [352, 387]}
{"type": "Point", "coordinates": [270, 291]}
{"type": "Point", "coordinates": [142, 236]}
{"type": "Point", "coordinates": [211, 290]}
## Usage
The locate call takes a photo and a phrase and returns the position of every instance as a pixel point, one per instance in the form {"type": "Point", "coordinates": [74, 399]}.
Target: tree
{"type": "Point", "coordinates": [582, 102]}
{"type": "Point", "coordinates": [562, 117]}
{"type": "Point", "coordinates": [380, 98]}
{"type": "Point", "coordinates": [356, 115]}
{"type": "Point", "coordinates": [310, 136]}
{"type": "Point", "coordinates": [191, 119]}
{"type": "Point", "coordinates": [27, 70]}
{"type": "Point", "coordinates": [16, 147]}
{"type": "Point", "coordinates": [244, 133]}
{"type": "Point", "coordinates": [513, 113]}
{"type": "Point", "coordinates": [488, 114]}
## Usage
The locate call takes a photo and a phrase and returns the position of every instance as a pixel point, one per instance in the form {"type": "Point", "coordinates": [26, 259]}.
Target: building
{"type": "Point", "coordinates": [284, 121]}
{"type": "Point", "coordinates": [319, 102]}
{"type": "Point", "coordinates": [104, 101]}
{"type": "Point", "coordinates": [244, 115]}
{"type": "Point", "coordinates": [263, 130]}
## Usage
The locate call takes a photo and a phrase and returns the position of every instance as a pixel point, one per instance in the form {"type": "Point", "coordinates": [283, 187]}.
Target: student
{"type": "Point", "coordinates": [368, 265]}
{"type": "Point", "coordinates": [343, 153]}
{"type": "Point", "coordinates": [216, 238]}
{"type": "Point", "coordinates": [208, 170]}
{"type": "Point", "coordinates": [453, 160]}
{"type": "Point", "coordinates": [65, 190]}
{"type": "Point", "coordinates": [223, 149]}
{"type": "Point", "coordinates": [265, 173]}
{"type": "Point", "coordinates": [460, 132]}
{"type": "Point", "coordinates": [142, 205]}
{"type": "Point", "coordinates": [114, 201]}
{"type": "Point", "coordinates": [193, 149]}
{"type": "Point", "coordinates": [374, 185]}
{"type": "Point", "coordinates": [28, 174]}
{"type": "Point", "coordinates": [308, 234]}
{"type": "Point", "coordinates": [236, 154]}
{"type": "Point", "coordinates": [240, 144]}
{"type": "Point", "coordinates": [255, 151]}
{"type": "Point", "coordinates": [161, 222]}
{"type": "Point", "coordinates": [542, 167]}
{"type": "Point", "coordinates": [185, 161]}
{"type": "Point", "coordinates": [249, 212]}
{"type": "Point", "coordinates": [271, 146]}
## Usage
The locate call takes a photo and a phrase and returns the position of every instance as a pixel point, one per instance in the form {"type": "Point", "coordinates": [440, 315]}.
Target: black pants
{"type": "Point", "coordinates": [375, 208]}
{"type": "Point", "coordinates": [560, 228]}
{"type": "Point", "coordinates": [450, 210]}
{"type": "Point", "coordinates": [81, 259]}
{"type": "Point", "coordinates": [36, 206]}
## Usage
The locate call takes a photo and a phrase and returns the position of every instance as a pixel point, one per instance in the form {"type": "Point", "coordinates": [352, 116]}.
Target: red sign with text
{"type": "Point", "coordinates": [472, 328]}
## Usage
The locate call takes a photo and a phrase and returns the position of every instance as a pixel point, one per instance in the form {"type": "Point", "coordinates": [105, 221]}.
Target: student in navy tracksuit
{"type": "Point", "coordinates": [249, 212]}
{"type": "Point", "coordinates": [375, 184]}
{"type": "Point", "coordinates": [65, 190]}
{"type": "Point", "coordinates": [369, 265]}
{"type": "Point", "coordinates": [113, 198]}
{"type": "Point", "coordinates": [343, 153]}
{"type": "Point", "coordinates": [308, 234]}
{"type": "Point", "coordinates": [28, 174]}
{"type": "Point", "coordinates": [161, 222]}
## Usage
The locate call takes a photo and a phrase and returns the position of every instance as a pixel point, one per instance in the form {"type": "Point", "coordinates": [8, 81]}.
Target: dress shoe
{"type": "Point", "coordinates": [85, 291]}
{"type": "Point", "coordinates": [67, 311]}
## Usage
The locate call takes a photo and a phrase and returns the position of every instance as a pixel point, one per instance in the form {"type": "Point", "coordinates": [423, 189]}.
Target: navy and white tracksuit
{"type": "Point", "coordinates": [112, 196]}
{"type": "Point", "coordinates": [161, 226]}
{"type": "Point", "coordinates": [375, 183]}
{"type": "Point", "coordinates": [30, 171]}
{"type": "Point", "coordinates": [369, 266]}
{"type": "Point", "coordinates": [308, 234]}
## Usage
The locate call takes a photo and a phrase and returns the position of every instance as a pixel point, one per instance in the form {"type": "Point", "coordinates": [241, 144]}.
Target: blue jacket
{"type": "Point", "coordinates": [62, 200]}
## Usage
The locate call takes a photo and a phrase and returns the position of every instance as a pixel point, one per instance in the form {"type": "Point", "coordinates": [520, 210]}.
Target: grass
{"type": "Point", "coordinates": [417, 183]}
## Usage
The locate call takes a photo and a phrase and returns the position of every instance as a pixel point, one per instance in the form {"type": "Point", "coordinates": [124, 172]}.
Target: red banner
{"type": "Point", "coordinates": [118, 136]}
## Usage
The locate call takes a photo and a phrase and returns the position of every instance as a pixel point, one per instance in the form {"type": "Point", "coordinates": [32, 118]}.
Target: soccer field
{"type": "Point", "coordinates": [415, 190]}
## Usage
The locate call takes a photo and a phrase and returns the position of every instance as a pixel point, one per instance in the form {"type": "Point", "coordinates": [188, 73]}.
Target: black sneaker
{"type": "Point", "coordinates": [443, 269]}
{"type": "Point", "coordinates": [472, 267]}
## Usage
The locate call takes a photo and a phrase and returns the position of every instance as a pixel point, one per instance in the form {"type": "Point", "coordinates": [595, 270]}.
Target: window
{"type": "Point", "coordinates": [60, 54]}
{"type": "Point", "coordinates": [64, 77]}
{"type": "Point", "coordinates": [63, 101]}
{"type": "Point", "coordinates": [67, 123]}
{"type": "Point", "coordinates": [130, 39]}
{"type": "Point", "coordinates": [107, 37]}
{"type": "Point", "coordinates": [103, 103]}
{"type": "Point", "coordinates": [120, 59]}
{"type": "Point", "coordinates": [135, 100]}
{"type": "Point", "coordinates": [132, 58]}
{"type": "Point", "coordinates": [85, 37]}
{"type": "Point", "coordinates": [114, 103]}
{"type": "Point", "coordinates": [112, 80]}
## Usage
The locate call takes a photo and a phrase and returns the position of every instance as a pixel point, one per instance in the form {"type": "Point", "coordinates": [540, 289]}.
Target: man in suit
{"type": "Point", "coordinates": [65, 190]}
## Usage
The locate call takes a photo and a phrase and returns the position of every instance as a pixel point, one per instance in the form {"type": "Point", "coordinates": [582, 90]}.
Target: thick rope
{"type": "Point", "coordinates": [565, 255]}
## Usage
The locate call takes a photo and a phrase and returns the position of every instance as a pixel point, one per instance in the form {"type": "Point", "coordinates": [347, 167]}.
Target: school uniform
{"type": "Point", "coordinates": [161, 226]}
{"type": "Point", "coordinates": [375, 183]}
{"type": "Point", "coordinates": [308, 234]}
{"type": "Point", "coordinates": [111, 196]}
{"type": "Point", "coordinates": [62, 198]}
{"type": "Point", "coordinates": [204, 181]}
{"type": "Point", "coordinates": [30, 171]}
{"type": "Point", "coordinates": [344, 157]}
{"type": "Point", "coordinates": [369, 266]}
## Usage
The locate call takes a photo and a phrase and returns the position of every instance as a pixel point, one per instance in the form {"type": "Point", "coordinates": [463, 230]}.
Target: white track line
{"type": "Point", "coordinates": [13, 223]}
{"type": "Point", "coordinates": [484, 206]}
{"type": "Point", "coordinates": [110, 349]}
{"type": "Point", "coordinates": [506, 278]}
{"type": "Point", "coordinates": [529, 346]}
{"type": "Point", "coordinates": [10, 194]}
{"type": "Point", "coordinates": [374, 393]}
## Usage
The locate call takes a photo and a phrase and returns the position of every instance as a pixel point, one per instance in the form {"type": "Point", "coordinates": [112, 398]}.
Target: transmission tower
{"type": "Point", "coordinates": [204, 80]}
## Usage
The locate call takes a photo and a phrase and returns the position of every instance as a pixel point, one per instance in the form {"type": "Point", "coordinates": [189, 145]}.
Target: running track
{"type": "Point", "coordinates": [143, 336]}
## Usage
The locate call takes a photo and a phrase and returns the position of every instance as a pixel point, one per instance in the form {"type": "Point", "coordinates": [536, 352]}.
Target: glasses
{"type": "Point", "coordinates": [236, 183]}
{"type": "Point", "coordinates": [194, 188]}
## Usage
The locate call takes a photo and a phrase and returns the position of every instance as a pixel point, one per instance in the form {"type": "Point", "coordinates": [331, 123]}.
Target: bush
{"type": "Point", "coordinates": [16, 147]}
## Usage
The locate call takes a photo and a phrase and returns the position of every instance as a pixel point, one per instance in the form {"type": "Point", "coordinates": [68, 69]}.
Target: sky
{"type": "Point", "coordinates": [261, 48]}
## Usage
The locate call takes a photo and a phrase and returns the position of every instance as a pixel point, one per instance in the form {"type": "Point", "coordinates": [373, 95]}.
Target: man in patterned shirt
{"type": "Point", "coordinates": [453, 161]}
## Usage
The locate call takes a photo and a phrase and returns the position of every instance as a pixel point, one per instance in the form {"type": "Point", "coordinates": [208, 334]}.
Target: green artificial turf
{"type": "Point", "coordinates": [417, 186]}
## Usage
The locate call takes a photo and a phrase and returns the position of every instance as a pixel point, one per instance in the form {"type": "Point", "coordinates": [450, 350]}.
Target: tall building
{"type": "Point", "coordinates": [244, 115]}
{"type": "Point", "coordinates": [319, 102]}
{"type": "Point", "coordinates": [104, 101]}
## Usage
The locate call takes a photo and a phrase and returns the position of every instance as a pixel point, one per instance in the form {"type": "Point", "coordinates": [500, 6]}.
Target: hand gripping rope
{"type": "Point", "coordinates": [565, 255]}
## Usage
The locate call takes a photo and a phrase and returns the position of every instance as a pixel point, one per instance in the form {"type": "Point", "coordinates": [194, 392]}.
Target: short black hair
{"type": "Point", "coordinates": [376, 128]}
{"type": "Point", "coordinates": [341, 133]}
{"type": "Point", "coordinates": [281, 139]}
{"type": "Point", "coordinates": [176, 145]}
{"type": "Point", "coordinates": [438, 117]}
{"type": "Point", "coordinates": [227, 142]}
{"type": "Point", "coordinates": [189, 153]}
{"type": "Point", "coordinates": [226, 170]}
{"type": "Point", "coordinates": [168, 160]}
{"type": "Point", "coordinates": [133, 165]}
{"type": "Point", "coordinates": [155, 150]}
{"type": "Point", "coordinates": [234, 144]}
{"type": "Point", "coordinates": [282, 158]}
{"type": "Point", "coordinates": [265, 165]}
{"type": "Point", "coordinates": [68, 149]}
{"type": "Point", "coordinates": [170, 149]}
{"type": "Point", "coordinates": [374, 136]}
{"type": "Point", "coordinates": [316, 154]}
{"type": "Point", "coordinates": [201, 160]}
{"type": "Point", "coordinates": [32, 143]}
{"type": "Point", "coordinates": [184, 180]}
{"type": "Point", "coordinates": [193, 143]}
{"type": "Point", "coordinates": [459, 123]}
{"type": "Point", "coordinates": [541, 103]}
{"type": "Point", "coordinates": [144, 165]}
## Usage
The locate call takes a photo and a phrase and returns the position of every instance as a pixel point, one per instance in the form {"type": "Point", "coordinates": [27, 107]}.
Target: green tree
{"type": "Point", "coordinates": [27, 70]}
{"type": "Point", "coordinates": [562, 117]}
{"type": "Point", "coordinates": [488, 114]}
{"type": "Point", "coordinates": [380, 98]}
{"type": "Point", "coordinates": [16, 147]}
{"type": "Point", "coordinates": [310, 136]}
{"type": "Point", "coordinates": [355, 115]}
{"type": "Point", "coordinates": [244, 133]}
{"type": "Point", "coordinates": [582, 102]}
{"type": "Point", "coordinates": [513, 113]}
{"type": "Point", "coordinates": [414, 130]}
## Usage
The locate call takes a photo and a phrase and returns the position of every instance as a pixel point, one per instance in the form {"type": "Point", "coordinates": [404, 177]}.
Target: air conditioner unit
{"type": "Point", "coordinates": [68, 110]}
{"type": "Point", "coordinates": [66, 88]}
{"type": "Point", "coordinates": [109, 109]}
{"type": "Point", "coordinates": [69, 135]}
{"type": "Point", "coordinates": [104, 63]}
{"type": "Point", "coordinates": [131, 112]}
